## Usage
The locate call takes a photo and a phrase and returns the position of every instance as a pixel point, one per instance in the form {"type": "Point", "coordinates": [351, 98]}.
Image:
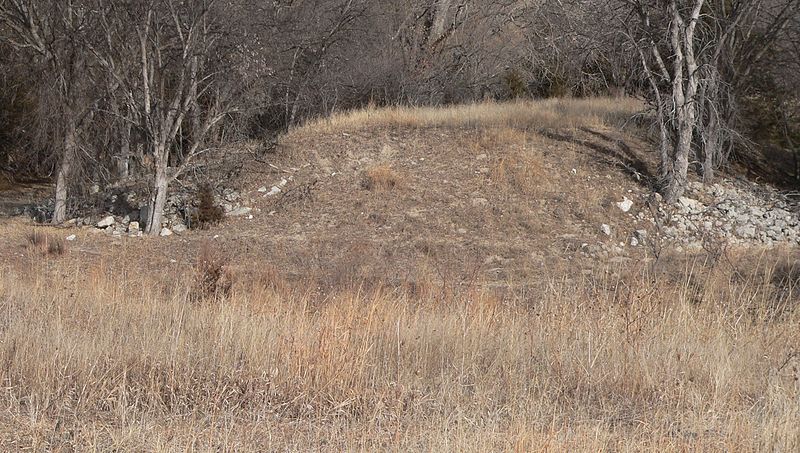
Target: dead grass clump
{"type": "Point", "coordinates": [47, 244]}
{"type": "Point", "coordinates": [213, 278]}
{"type": "Point", "coordinates": [381, 178]}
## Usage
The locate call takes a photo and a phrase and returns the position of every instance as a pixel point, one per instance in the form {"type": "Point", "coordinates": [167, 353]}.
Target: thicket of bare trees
{"type": "Point", "coordinates": [698, 57]}
{"type": "Point", "coordinates": [96, 91]}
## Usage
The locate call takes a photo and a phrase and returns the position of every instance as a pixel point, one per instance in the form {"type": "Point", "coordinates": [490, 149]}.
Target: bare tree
{"type": "Point", "coordinates": [696, 54]}
{"type": "Point", "coordinates": [52, 34]}
{"type": "Point", "coordinates": [174, 65]}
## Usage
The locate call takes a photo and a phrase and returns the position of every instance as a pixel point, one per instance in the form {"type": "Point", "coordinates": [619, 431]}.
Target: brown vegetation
{"type": "Point", "coordinates": [703, 360]}
{"type": "Point", "coordinates": [47, 243]}
{"type": "Point", "coordinates": [536, 115]}
{"type": "Point", "coordinates": [382, 178]}
{"type": "Point", "coordinates": [208, 212]}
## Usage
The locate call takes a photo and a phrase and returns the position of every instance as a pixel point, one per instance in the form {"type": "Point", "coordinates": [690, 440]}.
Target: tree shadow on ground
{"type": "Point", "coordinates": [614, 152]}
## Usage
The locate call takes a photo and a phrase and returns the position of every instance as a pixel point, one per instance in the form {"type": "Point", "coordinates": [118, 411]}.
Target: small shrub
{"type": "Point", "coordinates": [515, 85]}
{"type": "Point", "coordinates": [212, 280]}
{"type": "Point", "coordinates": [381, 178]}
{"type": "Point", "coordinates": [47, 244]}
{"type": "Point", "coordinates": [208, 212]}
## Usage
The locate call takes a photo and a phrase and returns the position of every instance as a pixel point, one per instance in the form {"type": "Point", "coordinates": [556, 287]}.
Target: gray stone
{"type": "Point", "coordinates": [179, 228]}
{"type": "Point", "coordinates": [244, 210]}
{"type": "Point", "coordinates": [690, 205]}
{"type": "Point", "coordinates": [106, 222]}
{"type": "Point", "coordinates": [746, 231]}
{"type": "Point", "coordinates": [133, 227]}
{"type": "Point", "coordinates": [165, 232]}
{"type": "Point", "coordinates": [606, 229]}
{"type": "Point", "coordinates": [625, 205]}
{"type": "Point", "coordinates": [144, 214]}
{"type": "Point", "coordinates": [71, 237]}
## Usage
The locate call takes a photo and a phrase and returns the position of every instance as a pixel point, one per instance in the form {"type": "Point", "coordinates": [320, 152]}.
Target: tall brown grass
{"type": "Point", "coordinates": [537, 114]}
{"type": "Point", "coordinates": [95, 361]}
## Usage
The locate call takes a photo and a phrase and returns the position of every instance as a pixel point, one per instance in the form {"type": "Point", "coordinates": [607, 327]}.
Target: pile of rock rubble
{"type": "Point", "coordinates": [727, 212]}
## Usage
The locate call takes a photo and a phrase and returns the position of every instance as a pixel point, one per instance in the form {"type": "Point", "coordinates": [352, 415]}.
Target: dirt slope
{"type": "Point", "coordinates": [504, 203]}
{"type": "Point", "coordinates": [498, 193]}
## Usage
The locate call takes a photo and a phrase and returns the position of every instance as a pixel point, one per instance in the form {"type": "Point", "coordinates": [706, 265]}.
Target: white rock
{"type": "Point", "coordinates": [106, 222]}
{"type": "Point", "coordinates": [262, 189]}
{"type": "Point", "coordinates": [634, 242]}
{"type": "Point", "coordinates": [179, 228]}
{"type": "Point", "coordinates": [606, 229]}
{"type": "Point", "coordinates": [165, 232]}
{"type": "Point", "coordinates": [133, 227]}
{"type": "Point", "coordinates": [71, 237]}
{"type": "Point", "coordinates": [244, 210]}
{"type": "Point", "coordinates": [746, 231]}
{"type": "Point", "coordinates": [274, 191]}
{"type": "Point", "coordinates": [479, 202]}
{"type": "Point", "coordinates": [625, 205]}
{"type": "Point", "coordinates": [283, 182]}
{"type": "Point", "coordinates": [690, 204]}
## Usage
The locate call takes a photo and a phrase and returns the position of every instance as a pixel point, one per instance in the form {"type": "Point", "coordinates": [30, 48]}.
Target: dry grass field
{"type": "Point", "coordinates": [221, 340]}
{"type": "Point", "coordinates": [101, 360]}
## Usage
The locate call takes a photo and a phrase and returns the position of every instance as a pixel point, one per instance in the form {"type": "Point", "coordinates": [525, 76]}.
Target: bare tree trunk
{"type": "Point", "coordinates": [712, 130]}
{"type": "Point", "coordinates": [439, 18]}
{"type": "Point", "coordinates": [787, 135]}
{"type": "Point", "coordinates": [123, 157]}
{"type": "Point", "coordinates": [64, 170]}
{"type": "Point", "coordinates": [124, 162]}
{"type": "Point", "coordinates": [684, 89]}
{"type": "Point", "coordinates": [161, 185]}
{"type": "Point", "coordinates": [712, 147]}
